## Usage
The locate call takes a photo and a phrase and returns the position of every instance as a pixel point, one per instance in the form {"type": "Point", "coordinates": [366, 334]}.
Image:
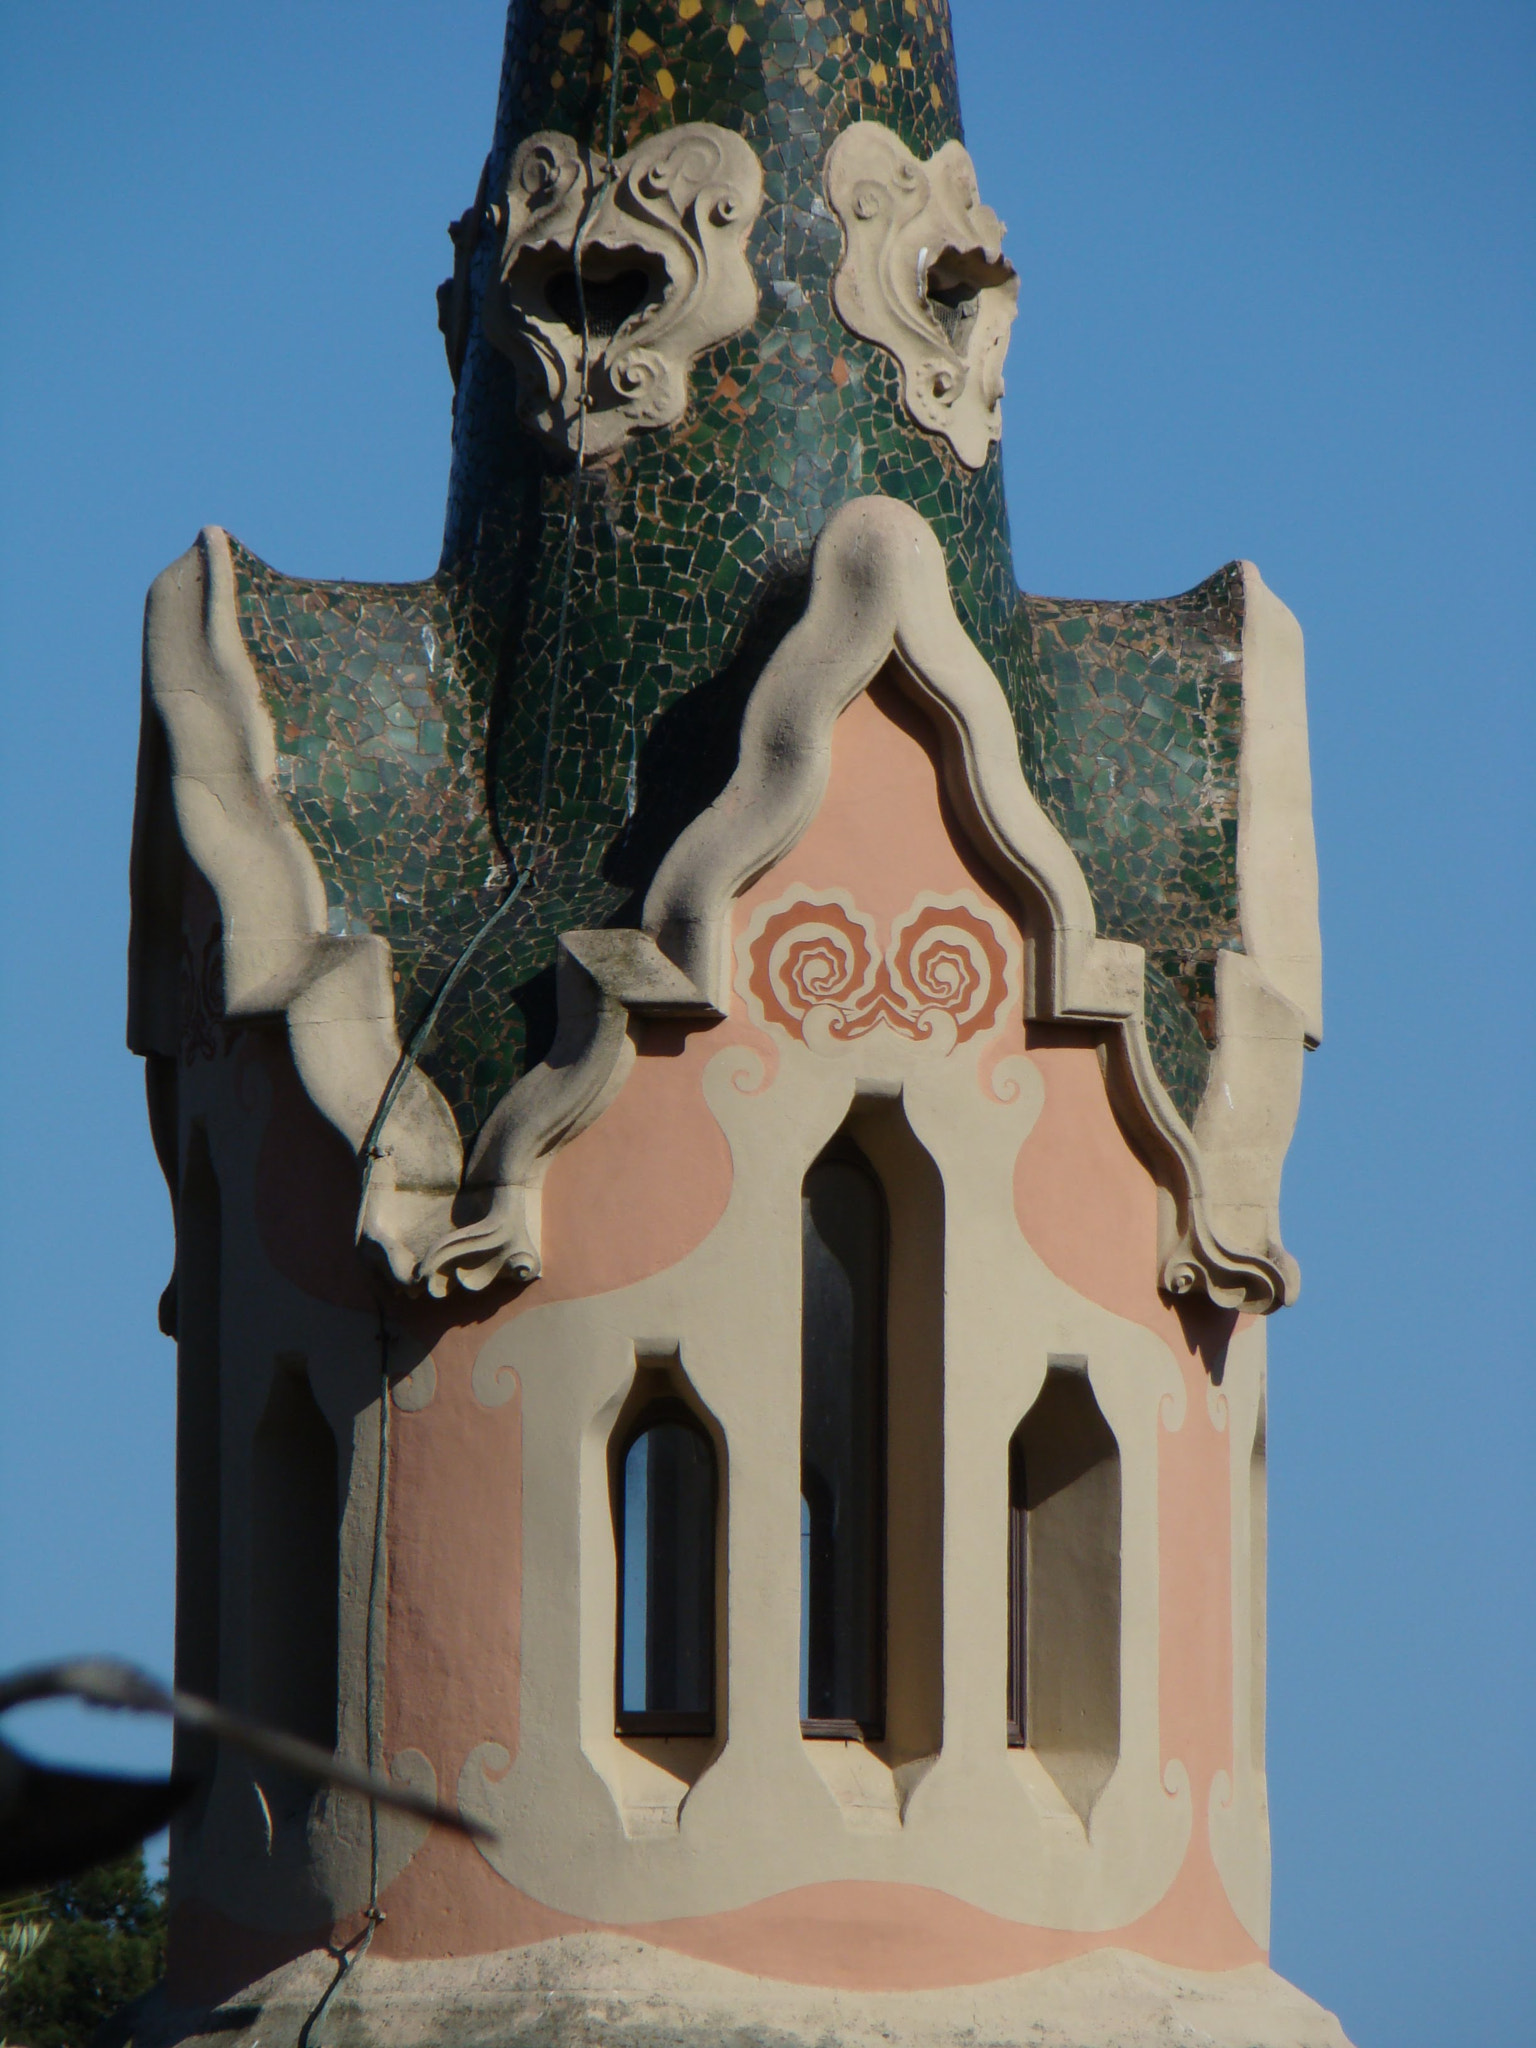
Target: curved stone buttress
{"type": "Point", "coordinates": [718, 792]}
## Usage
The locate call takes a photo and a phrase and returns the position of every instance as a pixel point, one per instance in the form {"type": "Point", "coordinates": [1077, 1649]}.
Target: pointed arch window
{"type": "Point", "coordinates": [666, 1527]}
{"type": "Point", "coordinates": [844, 1240]}
{"type": "Point", "coordinates": [1064, 1571]}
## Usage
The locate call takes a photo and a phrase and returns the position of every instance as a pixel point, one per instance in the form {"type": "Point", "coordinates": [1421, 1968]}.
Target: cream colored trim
{"type": "Point", "coordinates": [1237, 1814]}
{"type": "Point", "coordinates": [602, 979]}
{"type": "Point", "coordinates": [208, 775]}
{"type": "Point", "coordinates": [911, 233]}
{"type": "Point", "coordinates": [880, 587]}
{"type": "Point", "coordinates": [583, 1832]}
{"type": "Point", "coordinates": [1269, 997]}
{"type": "Point", "coordinates": [1276, 853]}
{"type": "Point", "coordinates": [678, 210]}
{"type": "Point", "coordinates": [210, 748]}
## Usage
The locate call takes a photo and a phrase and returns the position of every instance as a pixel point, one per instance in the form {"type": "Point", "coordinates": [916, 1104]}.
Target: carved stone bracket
{"type": "Point", "coordinates": [602, 979]}
{"type": "Point", "coordinates": [663, 276]}
{"type": "Point", "coordinates": [208, 787]}
{"type": "Point", "coordinates": [923, 275]}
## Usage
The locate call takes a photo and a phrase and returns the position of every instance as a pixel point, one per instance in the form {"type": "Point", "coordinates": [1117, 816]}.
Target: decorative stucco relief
{"type": "Point", "coordinates": [813, 965]}
{"type": "Point", "coordinates": [662, 275]}
{"type": "Point", "coordinates": [967, 1819]}
{"type": "Point", "coordinates": [208, 788]}
{"type": "Point", "coordinates": [879, 589]}
{"type": "Point", "coordinates": [923, 275]}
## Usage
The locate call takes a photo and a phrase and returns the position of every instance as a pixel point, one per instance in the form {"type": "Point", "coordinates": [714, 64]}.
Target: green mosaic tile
{"type": "Point", "coordinates": [418, 725]}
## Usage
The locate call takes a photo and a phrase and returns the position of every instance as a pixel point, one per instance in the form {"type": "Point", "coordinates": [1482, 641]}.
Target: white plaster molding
{"type": "Point", "coordinates": [602, 978]}
{"type": "Point", "coordinates": [208, 776]}
{"type": "Point", "coordinates": [974, 1824]}
{"type": "Point", "coordinates": [1268, 997]}
{"type": "Point", "coordinates": [1237, 1807]}
{"type": "Point", "coordinates": [1276, 852]}
{"type": "Point", "coordinates": [663, 258]}
{"type": "Point", "coordinates": [923, 275]}
{"type": "Point", "coordinates": [210, 753]}
{"type": "Point", "coordinates": [879, 587]}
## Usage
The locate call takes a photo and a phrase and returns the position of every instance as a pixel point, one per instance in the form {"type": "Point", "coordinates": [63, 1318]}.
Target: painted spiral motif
{"type": "Point", "coordinates": [948, 958]}
{"type": "Point", "coordinates": [809, 955]}
{"type": "Point", "coordinates": [944, 976]}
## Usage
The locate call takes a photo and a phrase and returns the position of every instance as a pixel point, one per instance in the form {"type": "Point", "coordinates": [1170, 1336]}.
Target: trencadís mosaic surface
{"type": "Point", "coordinates": [566, 692]}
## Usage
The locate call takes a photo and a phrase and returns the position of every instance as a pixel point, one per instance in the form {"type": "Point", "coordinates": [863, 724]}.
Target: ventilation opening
{"type": "Point", "coordinates": [1064, 1586]}
{"type": "Point", "coordinates": [199, 1554]}
{"type": "Point", "coordinates": [294, 1567]}
{"type": "Point", "coordinates": [617, 284]}
{"type": "Point", "coordinates": [610, 300]}
{"type": "Point", "coordinates": [953, 286]}
{"type": "Point", "coordinates": [666, 1518]}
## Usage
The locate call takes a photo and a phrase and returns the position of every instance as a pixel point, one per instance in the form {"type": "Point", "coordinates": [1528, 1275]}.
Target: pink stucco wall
{"type": "Point", "coordinates": [629, 1198]}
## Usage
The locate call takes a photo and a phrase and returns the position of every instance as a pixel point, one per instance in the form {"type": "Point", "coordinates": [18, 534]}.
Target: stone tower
{"type": "Point", "coordinates": [724, 1076]}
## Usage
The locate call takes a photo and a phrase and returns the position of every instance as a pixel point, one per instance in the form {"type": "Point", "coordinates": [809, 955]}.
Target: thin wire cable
{"type": "Point", "coordinates": [349, 1954]}
{"type": "Point", "coordinates": [588, 215]}
{"type": "Point", "coordinates": [521, 862]}
{"type": "Point", "coordinates": [614, 53]}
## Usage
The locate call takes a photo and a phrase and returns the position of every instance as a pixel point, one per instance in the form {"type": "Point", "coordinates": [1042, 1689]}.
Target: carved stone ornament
{"type": "Point", "coordinates": [664, 276]}
{"type": "Point", "coordinates": [879, 588]}
{"type": "Point", "coordinates": [923, 275]}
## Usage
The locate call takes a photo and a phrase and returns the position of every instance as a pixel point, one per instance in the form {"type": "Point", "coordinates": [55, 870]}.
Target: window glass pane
{"type": "Point", "coordinates": [666, 1632]}
{"type": "Point", "coordinates": [841, 1439]}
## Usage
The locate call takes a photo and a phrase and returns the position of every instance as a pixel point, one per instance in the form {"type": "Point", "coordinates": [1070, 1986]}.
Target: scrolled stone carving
{"type": "Point", "coordinates": [923, 275]}
{"type": "Point", "coordinates": [663, 276]}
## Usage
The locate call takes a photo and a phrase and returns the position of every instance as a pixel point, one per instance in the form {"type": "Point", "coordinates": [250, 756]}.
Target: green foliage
{"type": "Point", "coordinates": [103, 1944]}
{"type": "Point", "coordinates": [22, 1930]}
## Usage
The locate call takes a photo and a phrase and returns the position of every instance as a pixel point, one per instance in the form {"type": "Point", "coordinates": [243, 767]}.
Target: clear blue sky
{"type": "Point", "coordinates": [1277, 302]}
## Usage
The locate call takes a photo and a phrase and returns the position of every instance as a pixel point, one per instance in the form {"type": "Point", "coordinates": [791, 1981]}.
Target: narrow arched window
{"type": "Point", "coordinates": [842, 1446]}
{"type": "Point", "coordinates": [666, 1526]}
{"type": "Point", "coordinates": [1018, 1597]}
{"type": "Point", "coordinates": [1064, 1585]}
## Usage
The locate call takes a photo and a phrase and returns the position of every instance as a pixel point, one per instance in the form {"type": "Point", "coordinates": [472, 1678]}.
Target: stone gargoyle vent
{"type": "Point", "coordinates": [663, 276]}
{"type": "Point", "coordinates": [923, 275]}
